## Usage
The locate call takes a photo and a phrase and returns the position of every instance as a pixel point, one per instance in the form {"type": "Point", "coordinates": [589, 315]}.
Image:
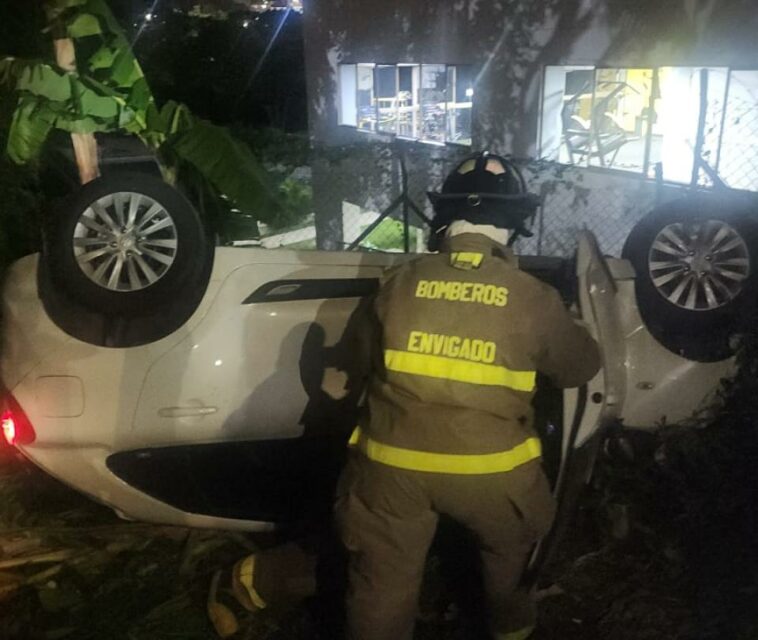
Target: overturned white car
{"type": "Point", "coordinates": [187, 385]}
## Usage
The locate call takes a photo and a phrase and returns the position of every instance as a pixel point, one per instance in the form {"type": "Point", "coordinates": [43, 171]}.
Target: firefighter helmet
{"type": "Point", "coordinates": [484, 189]}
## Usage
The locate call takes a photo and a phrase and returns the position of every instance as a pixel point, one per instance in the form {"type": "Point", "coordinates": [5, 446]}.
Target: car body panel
{"type": "Point", "coordinates": [75, 446]}
{"type": "Point", "coordinates": [254, 370]}
{"type": "Point", "coordinates": [662, 387]}
{"type": "Point", "coordinates": [644, 384]}
{"type": "Point", "coordinates": [242, 364]}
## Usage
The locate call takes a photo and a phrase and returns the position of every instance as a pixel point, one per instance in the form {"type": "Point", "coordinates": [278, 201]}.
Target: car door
{"type": "Point", "coordinates": [247, 417]}
{"type": "Point", "coordinates": [589, 409]}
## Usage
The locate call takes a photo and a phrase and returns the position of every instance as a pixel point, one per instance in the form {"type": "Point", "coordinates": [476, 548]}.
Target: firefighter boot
{"type": "Point", "coordinates": [229, 591]}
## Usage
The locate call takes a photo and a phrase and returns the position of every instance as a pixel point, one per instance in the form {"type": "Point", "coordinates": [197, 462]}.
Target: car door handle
{"type": "Point", "coordinates": [186, 412]}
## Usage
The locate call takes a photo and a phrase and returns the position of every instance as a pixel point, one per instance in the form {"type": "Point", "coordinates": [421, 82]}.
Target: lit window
{"type": "Point", "coordinates": [597, 117]}
{"type": "Point", "coordinates": [408, 112]}
{"type": "Point", "coordinates": [430, 102]}
{"type": "Point", "coordinates": [620, 118]}
{"type": "Point", "coordinates": [460, 95]}
{"type": "Point", "coordinates": [676, 116]}
{"type": "Point", "coordinates": [432, 99]}
{"type": "Point", "coordinates": [366, 101]}
{"type": "Point", "coordinates": [348, 113]}
{"type": "Point", "coordinates": [385, 86]}
{"type": "Point", "coordinates": [566, 111]}
{"type": "Point", "coordinates": [645, 120]}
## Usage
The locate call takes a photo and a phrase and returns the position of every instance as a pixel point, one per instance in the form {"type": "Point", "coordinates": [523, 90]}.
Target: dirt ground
{"type": "Point", "coordinates": [644, 558]}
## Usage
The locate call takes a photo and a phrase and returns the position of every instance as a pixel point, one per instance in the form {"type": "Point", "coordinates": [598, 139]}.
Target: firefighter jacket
{"type": "Point", "coordinates": [461, 336]}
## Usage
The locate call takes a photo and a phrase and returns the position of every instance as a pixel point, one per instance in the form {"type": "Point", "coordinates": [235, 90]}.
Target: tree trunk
{"type": "Point", "coordinates": [85, 145]}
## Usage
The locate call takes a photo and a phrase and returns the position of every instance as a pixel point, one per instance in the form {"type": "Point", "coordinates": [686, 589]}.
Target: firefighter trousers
{"type": "Point", "coordinates": [387, 519]}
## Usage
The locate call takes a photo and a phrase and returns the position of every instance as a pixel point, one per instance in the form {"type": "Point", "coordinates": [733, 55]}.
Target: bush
{"type": "Point", "coordinates": [284, 156]}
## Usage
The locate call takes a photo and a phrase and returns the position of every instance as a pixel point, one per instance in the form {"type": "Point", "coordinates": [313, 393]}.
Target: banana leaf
{"type": "Point", "coordinates": [140, 95]}
{"type": "Point", "coordinates": [229, 166]}
{"type": "Point", "coordinates": [29, 129]}
{"type": "Point", "coordinates": [130, 120]}
{"type": "Point", "coordinates": [83, 25]}
{"type": "Point", "coordinates": [79, 124]}
{"type": "Point", "coordinates": [97, 106]}
{"type": "Point", "coordinates": [11, 69]}
{"type": "Point", "coordinates": [103, 90]}
{"type": "Point", "coordinates": [125, 70]}
{"type": "Point", "coordinates": [101, 9]}
{"type": "Point", "coordinates": [44, 81]}
{"type": "Point", "coordinates": [103, 58]}
{"type": "Point", "coordinates": [170, 119]}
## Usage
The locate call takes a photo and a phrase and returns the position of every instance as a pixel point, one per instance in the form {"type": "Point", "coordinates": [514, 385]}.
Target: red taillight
{"type": "Point", "coordinates": [9, 427]}
{"type": "Point", "coordinates": [16, 426]}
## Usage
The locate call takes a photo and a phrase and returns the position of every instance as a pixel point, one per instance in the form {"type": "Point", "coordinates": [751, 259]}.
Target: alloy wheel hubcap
{"type": "Point", "coordinates": [125, 241]}
{"type": "Point", "coordinates": [699, 266]}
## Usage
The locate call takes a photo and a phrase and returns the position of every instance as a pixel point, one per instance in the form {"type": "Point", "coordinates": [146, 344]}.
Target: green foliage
{"type": "Point", "coordinates": [283, 153]}
{"type": "Point", "coordinates": [83, 25]}
{"type": "Point", "coordinates": [297, 203]}
{"type": "Point", "coordinates": [98, 95]}
{"type": "Point", "coordinates": [29, 130]}
{"type": "Point", "coordinates": [45, 82]}
{"type": "Point", "coordinates": [389, 236]}
{"type": "Point", "coordinates": [108, 92]}
{"type": "Point", "coordinates": [228, 165]}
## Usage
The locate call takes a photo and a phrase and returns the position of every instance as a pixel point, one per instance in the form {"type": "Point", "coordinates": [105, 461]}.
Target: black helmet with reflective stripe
{"type": "Point", "coordinates": [483, 189]}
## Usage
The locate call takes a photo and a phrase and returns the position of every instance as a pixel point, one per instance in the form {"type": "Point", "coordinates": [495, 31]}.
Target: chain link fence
{"type": "Point", "coordinates": [574, 200]}
{"type": "Point", "coordinates": [372, 196]}
{"type": "Point", "coordinates": [737, 156]}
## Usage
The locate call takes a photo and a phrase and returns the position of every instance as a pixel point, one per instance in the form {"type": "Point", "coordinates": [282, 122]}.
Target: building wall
{"type": "Point", "coordinates": [509, 43]}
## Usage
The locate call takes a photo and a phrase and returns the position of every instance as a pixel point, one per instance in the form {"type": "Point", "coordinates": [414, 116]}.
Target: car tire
{"type": "Point", "coordinates": [696, 261]}
{"type": "Point", "coordinates": [126, 245]}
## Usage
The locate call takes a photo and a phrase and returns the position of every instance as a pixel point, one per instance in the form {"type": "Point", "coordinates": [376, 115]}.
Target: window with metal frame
{"type": "Point", "coordinates": [366, 97]}
{"type": "Point", "coordinates": [681, 123]}
{"type": "Point", "coordinates": [427, 102]}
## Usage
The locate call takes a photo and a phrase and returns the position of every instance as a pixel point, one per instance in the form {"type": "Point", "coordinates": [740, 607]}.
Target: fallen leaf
{"type": "Point", "coordinates": [54, 556]}
{"type": "Point", "coordinates": [551, 591]}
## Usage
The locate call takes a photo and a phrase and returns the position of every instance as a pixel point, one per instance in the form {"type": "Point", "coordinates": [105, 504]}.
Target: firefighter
{"type": "Point", "coordinates": [458, 338]}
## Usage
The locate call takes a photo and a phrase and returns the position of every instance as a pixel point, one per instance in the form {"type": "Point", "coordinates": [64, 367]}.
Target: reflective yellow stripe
{"type": "Point", "coordinates": [244, 573]}
{"type": "Point", "coordinates": [466, 259]}
{"type": "Point", "coordinates": [521, 634]}
{"type": "Point", "coordinates": [477, 464]}
{"type": "Point", "coordinates": [420, 364]}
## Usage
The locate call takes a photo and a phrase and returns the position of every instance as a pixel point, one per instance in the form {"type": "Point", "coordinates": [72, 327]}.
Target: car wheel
{"type": "Point", "coordinates": [696, 261]}
{"type": "Point", "coordinates": [126, 244]}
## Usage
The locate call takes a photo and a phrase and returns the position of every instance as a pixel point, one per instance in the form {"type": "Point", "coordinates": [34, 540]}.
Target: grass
{"type": "Point", "coordinates": [389, 236]}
